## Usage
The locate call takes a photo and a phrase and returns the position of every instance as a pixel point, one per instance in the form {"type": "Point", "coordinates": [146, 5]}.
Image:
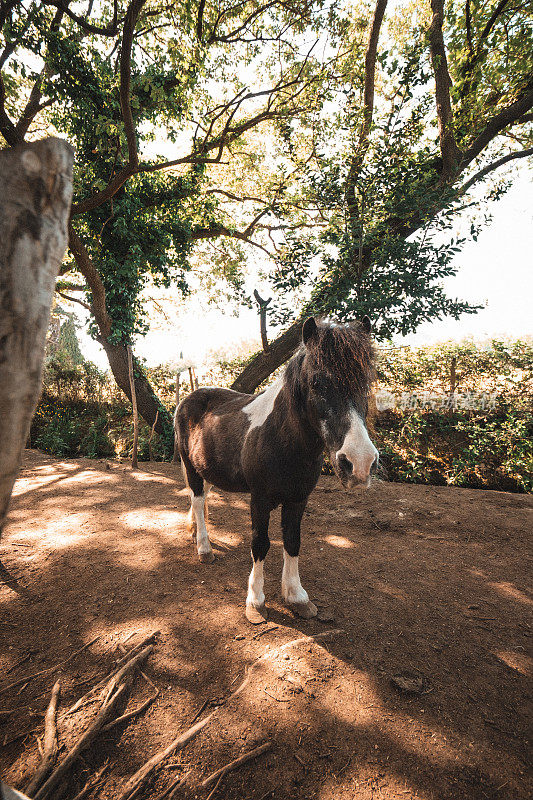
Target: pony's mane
{"type": "Point", "coordinates": [342, 351]}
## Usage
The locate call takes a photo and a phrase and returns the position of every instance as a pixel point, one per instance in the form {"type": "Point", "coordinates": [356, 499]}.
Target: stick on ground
{"type": "Point", "coordinates": [115, 692]}
{"type": "Point", "coordinates": [28, 678]}
{"type": "Point", "coordinates": [83, 742]}
{"type": "Point", "coordinates": [101, 683]}
{"type": "Point", "coordinates": [49, 755]}
{"type": "Point", "coordinates": [257, 751]}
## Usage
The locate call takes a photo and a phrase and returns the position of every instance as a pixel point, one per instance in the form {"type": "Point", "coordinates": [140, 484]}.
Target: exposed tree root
{"type": "Point", "coordinates": [28, 678]}
{"type": "Point", "coordinates": [115, 693]}
{"type": "Point", "coordinates": [257, 751]}
{"type": "Point", "coordinates": [102, 683]}
{"type": "Point", "coordinates": [49, 754]}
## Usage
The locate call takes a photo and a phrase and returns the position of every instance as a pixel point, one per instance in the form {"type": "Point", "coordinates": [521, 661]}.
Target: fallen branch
{"type": "Point", "coordinates": [172, 791]}
{"type": "Point", "coordinates": [115, 692]}
{"type": "Point", "coordinates": [28, 678]}
{"type": "Point", "coordinates": [91, 784]}
{"type": "Point", "coordinates": [101, 683]}
{"type": "Point", "coordinates": [83, 742]}
{"type": "Point", "coordinates": [49, 754]}
{"type": "Point", "coordinates": [133, 713]}
{"type": "Point", "coordinates": [257, 751]}
{"type": "Point", "coordinates": [135, 783]}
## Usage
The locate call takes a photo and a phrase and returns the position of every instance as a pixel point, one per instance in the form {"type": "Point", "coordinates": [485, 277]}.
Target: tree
{"type": "Point", "coordinates": [36, 185]}
{"type": "Point", "coordinates": [116, 81]}
{"type": "Point", "coordinates": [412, 155]}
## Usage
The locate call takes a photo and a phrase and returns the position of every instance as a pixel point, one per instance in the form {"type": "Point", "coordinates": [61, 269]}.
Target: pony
{"type": "Point", "coordinates": [271, 445]}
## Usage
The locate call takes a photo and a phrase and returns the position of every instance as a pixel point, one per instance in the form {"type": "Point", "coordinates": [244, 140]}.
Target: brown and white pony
{"type": "Point", "coordinates": [271, 445]}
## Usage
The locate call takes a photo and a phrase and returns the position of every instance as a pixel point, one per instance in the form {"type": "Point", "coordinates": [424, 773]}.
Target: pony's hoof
{"type": "Point", "coordinates": [206, 558]}
{"type": "Point", "coordinates": [305, 610]}
{"type": "Point", "coordinates": [256, 615]}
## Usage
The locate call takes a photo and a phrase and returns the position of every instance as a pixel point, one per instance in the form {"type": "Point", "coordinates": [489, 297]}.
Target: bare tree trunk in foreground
{"type": "Point", "coordinates": [36, 191]}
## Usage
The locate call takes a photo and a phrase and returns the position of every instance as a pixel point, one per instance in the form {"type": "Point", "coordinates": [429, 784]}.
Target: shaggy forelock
{"type": "Point", "coordinates": [345, 353]}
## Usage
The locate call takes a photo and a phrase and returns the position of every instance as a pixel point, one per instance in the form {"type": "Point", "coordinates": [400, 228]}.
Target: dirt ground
{"type": "Point", "coordinates": [418, 580]}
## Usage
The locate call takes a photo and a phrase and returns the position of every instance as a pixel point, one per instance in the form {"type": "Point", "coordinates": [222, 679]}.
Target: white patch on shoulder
{"type": "Point", "coordinates": [261, 406]}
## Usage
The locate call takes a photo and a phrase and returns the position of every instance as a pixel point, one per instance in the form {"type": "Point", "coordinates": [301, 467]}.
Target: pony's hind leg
{"type": "Point", "coordinates": [294, 595]}
{"type": "Point", "coordinates": [191, 520]}
{"type": "Point", "coordinates": [255, 599]}
{"type": "Point", "coordinates": [198, 511]}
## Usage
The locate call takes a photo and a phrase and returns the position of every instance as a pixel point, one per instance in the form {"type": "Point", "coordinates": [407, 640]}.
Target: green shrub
{"type": "Point", "coordinates": [96, 442]}
{"type": "Point", "coordinates": [59, 436]}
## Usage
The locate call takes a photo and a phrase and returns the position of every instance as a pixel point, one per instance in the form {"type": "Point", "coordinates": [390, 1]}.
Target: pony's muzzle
{"type": "Point", "coordinates": [356, 475]}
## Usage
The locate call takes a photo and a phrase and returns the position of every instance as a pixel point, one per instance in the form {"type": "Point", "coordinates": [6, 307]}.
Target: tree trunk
{"type": "Point", "coordinates": [36, 191]}
{"type": "Point", "coordinates": [117, 354]}
{"type": "Point", "coordinates": [134, 463]}
{"type": "Point", "coordinates": [148, 404]}
{"type": "Point", "coordinates": [264, 363]}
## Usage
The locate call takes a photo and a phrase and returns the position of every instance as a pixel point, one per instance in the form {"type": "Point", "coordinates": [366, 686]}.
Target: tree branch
{"type": "Point", "coordinates": [368, 109]}
{"type": "Point", "coordinates": [34, 105]}
{"type": "Point", "coordinates": [509, 115]}
{"type": "Point", "coordinates": [130, 22]}
{"type": "Point", "coordinates": [74, 300]}
{"type": "Point", "coordinates": [200, 20]}
{"type": "Point", "coordinates": [94, 281]}
{"type": "Point", "coordinates": [448, 147]}
{"type": "Point", "coordinates": [111, 28]}
{"type": "Point", "coordinates": [494, 165]}
{"type": "Point", "coordinates": [7, 128]}
{"type": "Point", "coordinates": [492, 19]}
{"type": "Point", "coordinates": [215, 231]}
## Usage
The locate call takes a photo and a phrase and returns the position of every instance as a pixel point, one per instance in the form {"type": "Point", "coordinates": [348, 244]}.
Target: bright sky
{"type": "Point", "coordinates": [496, 271]}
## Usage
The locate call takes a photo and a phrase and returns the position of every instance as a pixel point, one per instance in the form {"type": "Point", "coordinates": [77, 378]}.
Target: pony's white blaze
{"type": "Point", "coordinates": [261, 407]}
{"type": "Point", "coordinates": [291, 588]}
{"type": "Point", "coordinates": [202, 537]}
{"type": "Point", "coordinates": [358, 448]}
{"type": "Point", "coordinates": [256, 583]}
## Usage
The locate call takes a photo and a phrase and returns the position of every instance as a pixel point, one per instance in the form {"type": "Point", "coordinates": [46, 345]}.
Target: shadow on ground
{"type": "Point", "coordinates": [427, 580]}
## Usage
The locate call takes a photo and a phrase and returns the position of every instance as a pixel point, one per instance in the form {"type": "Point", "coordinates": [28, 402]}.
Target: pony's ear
{"type": "Point", "coordinates": [309, 329]}
{"type": "Point", "coordinates": [366, 324]}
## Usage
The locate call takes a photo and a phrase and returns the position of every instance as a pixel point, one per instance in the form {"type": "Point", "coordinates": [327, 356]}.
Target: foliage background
{"type": "Point", "coordinates": [83, 413]}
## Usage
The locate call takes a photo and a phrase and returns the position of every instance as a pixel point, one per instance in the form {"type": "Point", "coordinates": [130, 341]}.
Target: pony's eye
{"type": "Point", "coordinates": [321, 386]}
{"type": "Point", "coordinates": [322, 408]}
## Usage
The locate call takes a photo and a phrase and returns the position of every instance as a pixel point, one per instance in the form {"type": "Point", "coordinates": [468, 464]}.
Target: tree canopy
{"type": "Point", "coordinates": [338, 139]}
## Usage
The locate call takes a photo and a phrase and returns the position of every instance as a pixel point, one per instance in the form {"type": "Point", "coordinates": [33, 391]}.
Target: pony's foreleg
{"type": "Point", "coordinates": [255, 599]}
{"type": "Point", "coordinates": [294, 595]}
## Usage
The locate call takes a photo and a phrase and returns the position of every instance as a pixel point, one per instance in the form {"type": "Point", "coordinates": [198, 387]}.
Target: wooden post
{"type": "Point", "coordinates": [36, 191]}
{"type": "Point", "coordinates": [263, 305]}
{"type": "Point", "coordinates": [135, 414]}
{"type": "Point", "coordinates": [191, 379]}
{"type": "Point", "coordinates": [453, 382]}
{"type": "Point", "coordinates": [176, 456]}
{"type": "Point", "coordinates": [150, 454]}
